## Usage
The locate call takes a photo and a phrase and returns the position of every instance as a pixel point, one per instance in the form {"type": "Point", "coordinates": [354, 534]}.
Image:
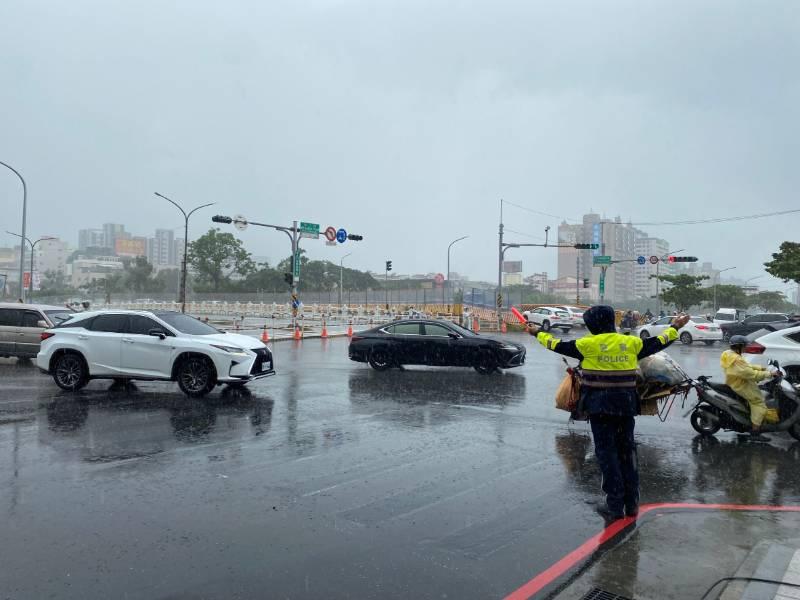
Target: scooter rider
{"type": "Point", "coordinates": [608, 395]}
{"type": "Point", "coordinates": [743, 378]}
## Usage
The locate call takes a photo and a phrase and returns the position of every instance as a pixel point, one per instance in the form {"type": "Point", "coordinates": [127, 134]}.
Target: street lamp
{"type": "Point", "coordinates": [24, 213]}
{"type": "Point", "coordinates": [186, 216]}
{"type": "Point", "coordinates": [33, 245]}
{"type": "Point", "coordinates": [341, 277]}
{"type": "Point", "coordinates": [448, 262]}
{"type": "Point", "coordinates": [716, 279]}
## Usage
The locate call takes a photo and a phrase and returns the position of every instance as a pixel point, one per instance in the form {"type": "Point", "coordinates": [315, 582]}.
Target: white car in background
{"type": "Point", "coordinates": [150, 346]}
{"type": "Point", "coordinates": [576, 314]}
{"type": "Point", "coordinates": [548, 317]}
{"type": "Point", "coordinates": [782, 345]}
{"type": "Point", "coordinates": [698, 329]}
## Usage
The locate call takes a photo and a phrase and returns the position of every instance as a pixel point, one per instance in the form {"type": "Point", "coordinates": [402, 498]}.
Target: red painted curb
{"type": "Point", "coordinates": [558, 569]}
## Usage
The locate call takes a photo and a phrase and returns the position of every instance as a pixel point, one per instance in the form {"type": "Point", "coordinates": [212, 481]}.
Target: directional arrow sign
{"type": "Point", "coordinates": [641, 260]}
{"type": "Point", "coordinates": [341, 236]}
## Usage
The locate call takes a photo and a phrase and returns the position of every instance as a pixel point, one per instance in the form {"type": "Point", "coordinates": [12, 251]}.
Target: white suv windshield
{"type": "Point", "coordinates": [187, 324]}
{"type": "Point", "coordinates": [720, 316]}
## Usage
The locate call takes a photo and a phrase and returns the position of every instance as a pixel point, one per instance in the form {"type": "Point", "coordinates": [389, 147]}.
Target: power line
{"type": "Point", "coordinates": [537, 212]}
{"type": "Point", "coordinates": [721, 219]}
{"type": "Point", "coordinates": [534, 237]}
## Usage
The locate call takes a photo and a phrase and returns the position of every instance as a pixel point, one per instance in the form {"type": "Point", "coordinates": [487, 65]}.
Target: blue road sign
{"type": "Point", "coordinates": [641, 260]}
{"type": "Point", "coordinates": [341, 236]}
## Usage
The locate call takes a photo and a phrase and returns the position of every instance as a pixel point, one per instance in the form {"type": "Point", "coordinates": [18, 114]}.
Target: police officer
{"type": "Point", "coordinates": [609, 397]}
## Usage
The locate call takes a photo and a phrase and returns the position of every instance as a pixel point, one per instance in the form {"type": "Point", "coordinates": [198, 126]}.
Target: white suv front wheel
{"type": "Point", "coordinates": [196, 376]}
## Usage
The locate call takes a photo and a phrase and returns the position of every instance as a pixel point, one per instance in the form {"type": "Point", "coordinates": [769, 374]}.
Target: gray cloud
{"type": "Point", "coordinates": [406, 121]}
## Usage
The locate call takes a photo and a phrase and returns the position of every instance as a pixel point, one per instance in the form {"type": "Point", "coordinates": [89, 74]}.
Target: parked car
{"type": "Point", "coordinates": [576, 313]}
{"type": "Point", "coordinates": [434, 343]}
{"type": "Point", "coordinates": [782, 345]}
{"type": "Point", "coordinates": [21, 326]}
{"type": "Point", "coordinates": [768, 321]}
{"type": "Point", "coordinates": [697, 329]}
{"type": "Point", "coordinates": [145, 345]}
{"type": "Point", "coordinates": [548, 317]}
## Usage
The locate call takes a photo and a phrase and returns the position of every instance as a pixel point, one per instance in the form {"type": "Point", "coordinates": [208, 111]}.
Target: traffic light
{"type": "Point", "coordinates": [222, 219]}
{"type": "Point", "coordinates": [354, 237]}
{"type": "Point", "coordinates": [289, 279]}
{"type": "Point", "coordinates": [585, 283]}
{"type": "Point", "coordinates": [674, 259]}
{"type": "Point", "coordinates": [586, 246]}
{"type": "Point", "coordinates": [388, 265]}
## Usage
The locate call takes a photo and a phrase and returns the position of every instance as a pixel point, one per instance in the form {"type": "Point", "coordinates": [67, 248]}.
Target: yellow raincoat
{"type": "Point", "coordinates": [743, 378]}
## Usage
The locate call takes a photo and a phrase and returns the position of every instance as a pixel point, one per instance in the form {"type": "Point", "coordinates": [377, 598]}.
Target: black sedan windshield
{"type": "Point", "coordinates": [463, 331]}
{"type": "Point", "coordinates": [187, 324]}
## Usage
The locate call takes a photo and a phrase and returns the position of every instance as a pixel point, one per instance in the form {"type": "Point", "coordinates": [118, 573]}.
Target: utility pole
{"type": "Point", "coordinates": [341, 277]}
{"type": "Point", "coordinates": [578, 279]}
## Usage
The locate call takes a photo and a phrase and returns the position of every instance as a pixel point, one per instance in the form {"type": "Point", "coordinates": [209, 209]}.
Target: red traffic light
{"type": "Point", "coordinates": [672, 259]}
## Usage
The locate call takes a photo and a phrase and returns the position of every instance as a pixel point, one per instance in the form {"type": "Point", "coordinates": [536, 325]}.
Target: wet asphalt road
{"type": "Point", "coordinates": [328, 481]}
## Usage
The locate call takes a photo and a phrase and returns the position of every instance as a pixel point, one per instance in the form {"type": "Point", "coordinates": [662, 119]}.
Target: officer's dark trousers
{"type": "Point", "coordinates": [616, 453]}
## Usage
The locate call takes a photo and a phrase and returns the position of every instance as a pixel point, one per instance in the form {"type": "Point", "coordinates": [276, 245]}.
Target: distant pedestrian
{"type": "Point", "coordinates": [19, 300]}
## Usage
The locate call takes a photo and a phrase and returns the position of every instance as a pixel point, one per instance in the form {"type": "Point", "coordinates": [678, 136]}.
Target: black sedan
{"type": "Point", "coordinates": [768, 321]}
{"type": "Point", "coordinates": [434, 343]}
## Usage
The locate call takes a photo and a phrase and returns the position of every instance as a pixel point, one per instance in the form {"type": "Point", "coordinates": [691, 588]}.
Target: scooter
{"type": "Point", "coordinates": [719, 407]}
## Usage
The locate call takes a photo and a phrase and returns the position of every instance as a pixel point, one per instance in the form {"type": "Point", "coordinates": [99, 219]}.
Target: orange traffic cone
{"type": "Point", "coordinates": [298, 335]}
{"type": "Point", "coordinates": [350, 330]}
{"type": "Point", "coordinates": [476, 325]}
{"type": "Point", "coordinates": [265, 335]}
{"type": "Point", "coordinates": [324, 335]}
{"type": "Point", "coordinates": [503, 328]}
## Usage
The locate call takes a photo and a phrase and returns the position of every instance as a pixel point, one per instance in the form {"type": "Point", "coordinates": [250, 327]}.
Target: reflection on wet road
{"type": "Point", "coordinates": [328, 480]}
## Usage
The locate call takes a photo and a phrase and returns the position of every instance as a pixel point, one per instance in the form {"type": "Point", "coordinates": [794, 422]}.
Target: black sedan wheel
{"type": "Point", "coordinates": [196, 376]}
{"type": "Point", "coordinates": [380, 360]}
{"type": "Point", "coordinates": [487, 363]}
{"type": "Point", "coordinates": [644, 334]}
{"type": "Point", "coordinates": [70, 372]}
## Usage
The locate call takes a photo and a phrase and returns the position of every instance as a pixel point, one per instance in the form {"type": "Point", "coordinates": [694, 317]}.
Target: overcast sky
{"type": "Point", "coordinates": [406, 121]}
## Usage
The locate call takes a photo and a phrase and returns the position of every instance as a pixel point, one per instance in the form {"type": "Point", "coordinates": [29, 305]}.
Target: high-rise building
{"type": "Point", "coordinates": [51, 255]}
{"type": "Point", "coordinates": [110, 233]}
{"type": "Point", "coordinates": [161, 248]}
{"type": "Point", "coordinates": [645, 284]}
{"type": "Point", "coordinates": [90, 238]}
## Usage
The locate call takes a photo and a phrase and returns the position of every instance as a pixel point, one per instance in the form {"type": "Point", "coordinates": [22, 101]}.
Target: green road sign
{"type": "Point", "coordinates": [602, 285]}
{"type": "Point", "coordinates": [296, 268]}
{"type": "Point", "coordinates": [309, 230]}
{"type": "Point", "coordinates": [601, 260]}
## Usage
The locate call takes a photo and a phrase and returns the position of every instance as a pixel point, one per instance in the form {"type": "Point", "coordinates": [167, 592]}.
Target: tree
{"type": "Point", "coordinates": [785, 264]}
{"type": "Point", "coordinates": [107, 285]}
{"type": "Point", "coordinates": [771, 301]}
{"type": "Point", "coordinates": [137, 274]}
{"type": "Point", "coordinates": [216, 256]}
{"type": "Point", "coordinates": [728, 295]}
{"type": "Point", "coordinates": [685, 290]}
{"type": "Point", "coordinates": [55, 283]}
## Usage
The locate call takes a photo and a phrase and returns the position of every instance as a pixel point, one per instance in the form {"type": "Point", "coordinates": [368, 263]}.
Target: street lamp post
{"type": "Point", "coordinates": [716, 279]}
{"type": "Point", "coordinates": [33, 246]}
{"type": "Point", "coordinates": [186, 216]}
{"type": "Point", "coordinates": [449, 288]}
{"type": "Point", "coordinates": [341, 277]}
{"type": "Point", "coordinates": [24, 214]}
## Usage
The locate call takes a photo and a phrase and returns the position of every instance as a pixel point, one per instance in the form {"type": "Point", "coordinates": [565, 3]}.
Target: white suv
{"type": "Point", "coordinates": [168, 346]}
{"type": "Point", "coordinates": [548, 318]}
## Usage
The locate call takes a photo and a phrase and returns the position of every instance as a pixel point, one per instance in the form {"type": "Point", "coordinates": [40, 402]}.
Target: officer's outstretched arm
{"type": "Point", "coordinates": [566, 348]}
{"type": "Point", "coordinates": [656, 344]}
